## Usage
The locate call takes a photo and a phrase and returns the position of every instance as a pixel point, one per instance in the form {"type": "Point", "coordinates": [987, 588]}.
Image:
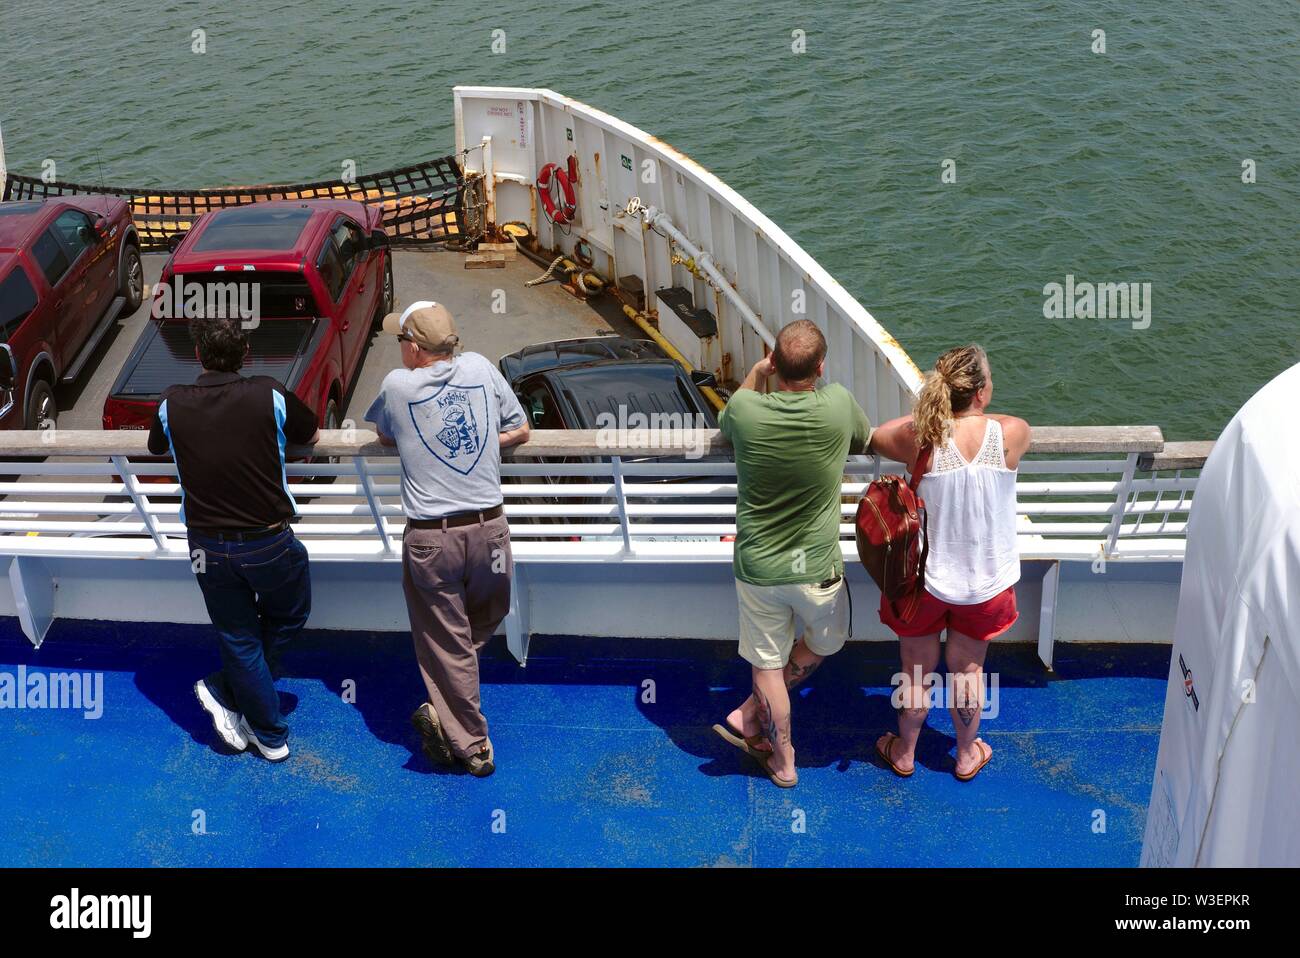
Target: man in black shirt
{"type": "Point", "coordinates": [227, 434]}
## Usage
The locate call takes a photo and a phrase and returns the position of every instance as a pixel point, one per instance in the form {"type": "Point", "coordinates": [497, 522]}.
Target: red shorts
{"type": "Point", "coordinates": [983, 620]}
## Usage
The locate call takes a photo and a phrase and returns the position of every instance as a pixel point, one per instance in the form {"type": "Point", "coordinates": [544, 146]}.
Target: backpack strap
{"type": "Point", "coordinates": [922, 464]}
{"type": "Point", "coordinates": [914, 600]}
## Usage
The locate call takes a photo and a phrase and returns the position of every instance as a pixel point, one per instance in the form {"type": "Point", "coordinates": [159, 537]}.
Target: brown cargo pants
{"type": "Point", "coordinates": [457, 585]}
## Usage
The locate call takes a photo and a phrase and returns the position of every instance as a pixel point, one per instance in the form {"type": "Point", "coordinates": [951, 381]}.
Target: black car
{"type": "Point", "coordinates": [568, 384]}
{"type": "Point", "coordinates": [571, 383]}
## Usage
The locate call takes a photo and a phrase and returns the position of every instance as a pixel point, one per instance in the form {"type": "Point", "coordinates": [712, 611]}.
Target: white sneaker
{"type": "Point", "coordinates": [278, 754]}
{"type": "Point", "coordinates": [227, 723]}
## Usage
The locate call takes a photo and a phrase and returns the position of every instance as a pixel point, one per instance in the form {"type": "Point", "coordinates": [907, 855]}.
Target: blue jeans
{"type": "Point", "coordinates": [258, 595]}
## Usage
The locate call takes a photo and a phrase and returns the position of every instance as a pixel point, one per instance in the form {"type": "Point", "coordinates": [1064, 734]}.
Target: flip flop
{"type": "Point", "coordinates": [777, 781]}
{"type": "Point", "coordinates": [760, 755]}
{"type": "Point", "coordinates": [887, 754]}
{"type": "Point", "coordinates": [747, 745]}
{"type": "Point", "coordinates": [987, 752]}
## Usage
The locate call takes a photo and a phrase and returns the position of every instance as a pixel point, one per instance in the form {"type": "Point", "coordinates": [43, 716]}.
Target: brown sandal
{"type": "Point", "coordinates": [887, 754]}
{"type": "Point", "coordinates": [779, 782]}
{"type": "Point", "coordinates": [986, 751]}
{"type": "Point", "coordinates": [747, 744]}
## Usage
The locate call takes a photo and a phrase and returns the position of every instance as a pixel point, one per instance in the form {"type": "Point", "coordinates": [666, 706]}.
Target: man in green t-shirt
{"type": "Point", "coordinates": [790, 446]}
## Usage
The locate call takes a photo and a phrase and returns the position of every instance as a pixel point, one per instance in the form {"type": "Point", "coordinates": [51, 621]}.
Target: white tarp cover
{"type": "Point", "coordinates": [1227, 785]}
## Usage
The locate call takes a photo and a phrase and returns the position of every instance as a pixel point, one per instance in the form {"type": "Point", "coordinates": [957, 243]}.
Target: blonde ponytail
{"type": "Point", "coordinates": [949, 388]}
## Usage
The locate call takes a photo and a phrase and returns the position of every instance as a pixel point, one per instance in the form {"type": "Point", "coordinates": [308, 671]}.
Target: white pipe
{"type": "Point", "coordinates": [657, 219]}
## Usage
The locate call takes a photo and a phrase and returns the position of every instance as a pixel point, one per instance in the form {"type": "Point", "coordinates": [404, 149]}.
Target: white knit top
{"type": "Point", "coordinates": [971, 510]}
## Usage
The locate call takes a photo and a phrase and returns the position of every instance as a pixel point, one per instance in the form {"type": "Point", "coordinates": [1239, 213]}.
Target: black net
{"type": "Point", "coordinates": [427, 203]}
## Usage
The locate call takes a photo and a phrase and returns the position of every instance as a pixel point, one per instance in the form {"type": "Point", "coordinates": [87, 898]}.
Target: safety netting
{"type": "Point", "coordinates": [425, 204]}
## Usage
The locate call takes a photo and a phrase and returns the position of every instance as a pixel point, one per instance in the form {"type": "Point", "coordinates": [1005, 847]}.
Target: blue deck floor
{"type": "Point", "coordinates": [589, 774]}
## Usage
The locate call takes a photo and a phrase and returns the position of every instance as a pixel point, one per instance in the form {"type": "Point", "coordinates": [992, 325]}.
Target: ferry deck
{"type": "Point", "coordinates": [588, 773]}
{"type": "Point", "coordinates": [604, 745]}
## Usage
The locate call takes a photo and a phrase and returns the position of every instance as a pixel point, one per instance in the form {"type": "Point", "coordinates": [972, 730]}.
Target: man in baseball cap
{"type": "Point", "coordinates": [426, 324]}
{"type": "Point", "coordinates": [450, 414]}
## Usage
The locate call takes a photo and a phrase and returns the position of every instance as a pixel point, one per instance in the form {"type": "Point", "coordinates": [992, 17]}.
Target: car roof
{"type": "Point", "coordinates": [568, 352]}
{"type": "Point", "coordinates": [21, 219]}
{"type": "Point", "coordinates": [274, 231]}
{"type": "Point", "coordinates": [647, 386]}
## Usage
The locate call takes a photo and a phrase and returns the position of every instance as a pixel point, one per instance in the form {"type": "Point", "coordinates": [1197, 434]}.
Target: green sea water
{"type": "Point", "coordinates": [1122, 166]}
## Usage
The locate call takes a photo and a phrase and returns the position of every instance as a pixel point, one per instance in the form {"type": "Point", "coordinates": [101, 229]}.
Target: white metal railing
{"type": "Point", "coordinates": [1117, 494]}
{"type": "Point", "coordinates": [695, 232]}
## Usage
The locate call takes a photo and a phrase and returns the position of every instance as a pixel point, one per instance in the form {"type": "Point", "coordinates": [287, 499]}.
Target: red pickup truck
{"type": "Point", "coordinates": [308, 278]}
{"type": "Point", "coordinates": [69, 266]}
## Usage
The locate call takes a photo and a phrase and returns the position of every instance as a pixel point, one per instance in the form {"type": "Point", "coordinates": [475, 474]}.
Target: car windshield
{"type": "Point", "coordinates": [254, 227]}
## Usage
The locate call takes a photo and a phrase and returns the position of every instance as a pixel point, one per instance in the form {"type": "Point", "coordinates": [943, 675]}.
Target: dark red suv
{"type": "Point", "coordinates": [69, 266]}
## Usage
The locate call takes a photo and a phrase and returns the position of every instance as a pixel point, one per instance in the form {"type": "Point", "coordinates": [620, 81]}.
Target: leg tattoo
{"type": "Point", "coordinates": [967, 705]}
{"type": "Point", "coordinates": [796, 673]}
{"type": "Point", "coordinates": [766, 724]}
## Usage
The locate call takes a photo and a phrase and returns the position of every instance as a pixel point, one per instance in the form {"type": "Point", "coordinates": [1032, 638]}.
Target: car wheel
{"type": "Point", "coordinates": [42, 411]}
{"type": "Point", "coordinates": [332, 418]}
{"type": "Point", "coordinates": [132, 280]}
{"type": "Point", "coordinates": [387, 299]}
{"type": "Point", "coordinates": [331, 422]}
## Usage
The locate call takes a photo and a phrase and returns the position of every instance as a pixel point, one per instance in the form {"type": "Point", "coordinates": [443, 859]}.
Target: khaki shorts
{"type": "Point", "coordinates": [767, 614]}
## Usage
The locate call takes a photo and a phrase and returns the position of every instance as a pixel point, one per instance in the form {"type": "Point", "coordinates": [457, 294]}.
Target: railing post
{"type": "Point", "coordinates": [1121, 503]}
{"type": "Point", "coordinates": [141, 501]}
{"type": "Point", "coordinates": [516, 621]}
{"type": "Point", "coordinates": [621, 497]}
{"type": "Point", "coordinates": [376, 513]}
{"type": "Point", "coordinates": [1047, 614]}
{"type": "Point", "coordinates": [489, 187]}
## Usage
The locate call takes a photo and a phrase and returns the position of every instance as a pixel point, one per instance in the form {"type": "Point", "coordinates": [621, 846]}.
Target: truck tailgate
{"type": "Point", "coordinates": [164, 356]}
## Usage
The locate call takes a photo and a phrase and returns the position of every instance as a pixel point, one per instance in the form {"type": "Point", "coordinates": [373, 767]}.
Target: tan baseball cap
{"type": "Point", "coordinates": [426, 323]}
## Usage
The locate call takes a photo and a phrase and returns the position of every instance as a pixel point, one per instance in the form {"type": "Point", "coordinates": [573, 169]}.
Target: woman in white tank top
{"type": "Point", "coordinates": [969, 488]}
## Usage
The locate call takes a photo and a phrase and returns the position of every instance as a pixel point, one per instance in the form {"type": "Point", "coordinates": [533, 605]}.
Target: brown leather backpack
{"type": "Point", "coordinates": [893, 539]}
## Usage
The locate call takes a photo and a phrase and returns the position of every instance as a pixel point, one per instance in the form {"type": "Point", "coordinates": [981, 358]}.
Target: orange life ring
{"type": "Point", "coordinates": [556, 192]}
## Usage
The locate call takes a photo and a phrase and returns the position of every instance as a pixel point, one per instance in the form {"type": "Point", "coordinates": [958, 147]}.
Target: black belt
{"type": "Point", "coordinates": [830, 582]}
{"type": "Point", "coordinates": [457, 519]}
{"type": "Point", "coordinates": [243, 535]}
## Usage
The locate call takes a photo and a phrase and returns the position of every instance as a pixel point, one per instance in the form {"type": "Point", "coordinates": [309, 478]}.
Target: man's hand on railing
{"type": "Point", "coordinates": [513, 437]}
